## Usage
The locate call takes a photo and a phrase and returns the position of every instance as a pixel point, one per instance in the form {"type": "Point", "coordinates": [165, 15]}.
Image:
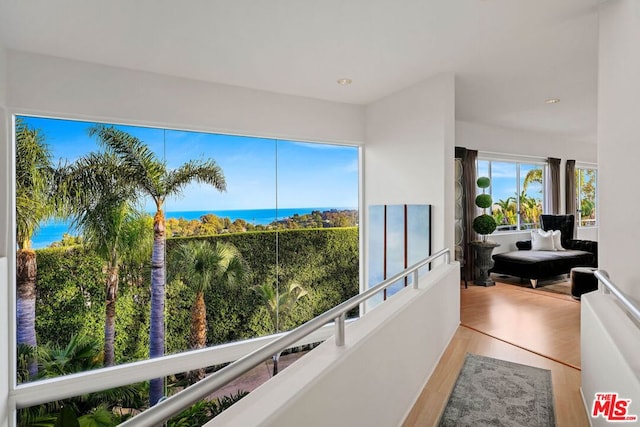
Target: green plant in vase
{"type": "Point", "coordinates": [484, 225]}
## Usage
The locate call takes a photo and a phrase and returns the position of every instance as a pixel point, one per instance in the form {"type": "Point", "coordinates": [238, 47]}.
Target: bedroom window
{"type": "Point", "coordinates": [586, 193]}
{"type": "Point", "coordinates": [517, 190]}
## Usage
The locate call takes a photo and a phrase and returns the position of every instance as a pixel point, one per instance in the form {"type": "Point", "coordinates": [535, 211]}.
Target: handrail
{"type": "Point", "coordinates": [165, 409]}
{"type": "Point", "coordinates": [66, 386]}
{"type": "Point", "coordinates": [628, 304]}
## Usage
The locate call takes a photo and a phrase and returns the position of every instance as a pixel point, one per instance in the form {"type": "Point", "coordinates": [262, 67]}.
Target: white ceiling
{"type": "Point", "coordinates": [508, 55]}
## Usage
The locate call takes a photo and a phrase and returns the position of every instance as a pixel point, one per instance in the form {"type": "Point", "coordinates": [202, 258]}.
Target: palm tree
{"type": "Point", "coordinates": [534, 175]}
{"type": "Point", "coordinates": [279, 305]}
{"type": "Point", "coordinates": [34, 174]}
{"type": "Point", "coordinates": [501, 214]}
{"type": "Point", "coordinates": [153, 178]}
{"type": "Point", "coordinates": [530, 210]}
{"type": "Point", "coordinates": [101, 201]}
{"type": "Point", "coordinates": [202, 265]}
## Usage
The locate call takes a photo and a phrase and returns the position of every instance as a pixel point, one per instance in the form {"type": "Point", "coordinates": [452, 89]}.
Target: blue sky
{"type": "Point", "coordinates": [308, 175]}
{"type": "Point", "coordinates": [503, 182]}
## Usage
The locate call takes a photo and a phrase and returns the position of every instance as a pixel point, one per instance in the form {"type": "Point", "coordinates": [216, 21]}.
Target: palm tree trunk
{"type": "Point", "coordinates": [26, 271]}
{"type": "Point", "coordinates": [156, 332]}
{"type": "Point", "coordinates": [198, 335]}
{"type": "Point", "coordinates": [110, 315]}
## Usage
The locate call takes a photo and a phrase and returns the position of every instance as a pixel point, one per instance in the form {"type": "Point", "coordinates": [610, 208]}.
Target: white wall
{"type": "Point", "coordinates": [3, 74]}
{"type": "Point", "coordinates": [4, 155]}
{"type": "Point", "coordinates": [409, 152]}
{"type": "Point", "coordinates": [4, 232]}
{"type": "Point", "coordinates": [375, 379]}
{"type": "Point", "coordinates": [60, 87]}
{"type": "Point", "coordinates": [619, 141]}
{"type": "Point", "coordinates": [511, 141]}
{"type": "Point", "coordinates": [609, 346]}
{"type": "Point", "coordinates": [4, 345]}
{"type": "Point", "coordinates": [520, 143]}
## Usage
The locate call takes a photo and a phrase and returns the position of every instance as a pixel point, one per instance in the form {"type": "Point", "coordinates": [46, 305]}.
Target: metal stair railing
{"type": "Point", "coordinates": [167, 408]}
{"type": "Point", "coordinates": [610, 287]}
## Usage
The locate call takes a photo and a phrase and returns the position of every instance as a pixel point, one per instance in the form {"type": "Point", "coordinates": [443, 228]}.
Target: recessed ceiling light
{"type": "Point", "coordinates": [344, 82]}
{"type": "Point", "coordinates": [552, 101]}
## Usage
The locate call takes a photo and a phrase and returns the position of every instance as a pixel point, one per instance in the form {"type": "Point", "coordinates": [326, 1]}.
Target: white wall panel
{"type": "Point", "coordinates": [4, 344]}
{"type": "Point", "coordinates": [609, 349]}
{"type": "Point", "coordinates": [619, 142]}
{"type": "Point", "coordinates": [55, 86]}
{"type": "Point", "coordinates": [409, 152]}
{"type": "Point", "coordinates": [4, 155]}
{"type": "Point", "coordinates": [512, 141]}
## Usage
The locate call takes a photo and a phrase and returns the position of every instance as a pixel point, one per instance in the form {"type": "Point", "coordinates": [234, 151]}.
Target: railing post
{"type": "Point", "coordinates": [339, 322]}
{"type": "Point", "coordinates": [415, 279]}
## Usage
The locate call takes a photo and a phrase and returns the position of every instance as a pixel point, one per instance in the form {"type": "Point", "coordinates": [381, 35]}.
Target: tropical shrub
{"type": "Point", "coordinates": [80, 354]}
{"type": "Point", "coordinates": [70, 295]}
{"type": "Point", "coordinates": [71, 290]}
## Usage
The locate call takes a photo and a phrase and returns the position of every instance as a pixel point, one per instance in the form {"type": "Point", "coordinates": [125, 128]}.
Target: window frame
{"type": "Point", "coordinates": [580, 168]}
{"type": "Point", "coordinates": [518, 161]}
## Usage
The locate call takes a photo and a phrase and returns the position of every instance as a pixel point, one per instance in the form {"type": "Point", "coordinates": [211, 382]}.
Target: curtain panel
{"type": "Point", "coordinates": [554, 181]}
{"type": "Point", "coordinates": [468, 159]}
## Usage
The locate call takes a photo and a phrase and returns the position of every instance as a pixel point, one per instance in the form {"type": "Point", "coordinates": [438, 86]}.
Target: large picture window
{"type": "Point", "coordinates": [586, 193]}
{"type": "Point", "coordinates": [517, 190]}
{"type": "Point", "coordinates": [133, 242]}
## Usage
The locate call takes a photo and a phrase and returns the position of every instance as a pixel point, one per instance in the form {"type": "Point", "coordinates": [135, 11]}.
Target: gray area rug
{"type": "Point", "coordinates": [492, 392]}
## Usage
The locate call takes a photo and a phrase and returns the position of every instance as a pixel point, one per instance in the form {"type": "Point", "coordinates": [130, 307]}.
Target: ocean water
{"type": "Point", "coordinates": [52, 230]}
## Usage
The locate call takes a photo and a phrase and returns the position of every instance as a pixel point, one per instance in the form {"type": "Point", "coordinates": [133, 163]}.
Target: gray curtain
{"type": "Point", "coordinates": [468, 158]}
{"type": "Point", "coordinates": [570, 190]}
{"type": "Point", "coordinates": [554, 179]}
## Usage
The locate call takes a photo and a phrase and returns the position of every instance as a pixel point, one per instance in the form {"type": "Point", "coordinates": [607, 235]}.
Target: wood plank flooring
{"type": "Point", "coordinates": [520, 325]}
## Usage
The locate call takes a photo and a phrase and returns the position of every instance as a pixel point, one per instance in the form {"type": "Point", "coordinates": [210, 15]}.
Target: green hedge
{"type": "Point", "coordinates": [71, 290]}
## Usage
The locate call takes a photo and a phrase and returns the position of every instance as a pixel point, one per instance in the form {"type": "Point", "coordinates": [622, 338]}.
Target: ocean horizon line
{"type": "Point", "coordinates": [53, 230]}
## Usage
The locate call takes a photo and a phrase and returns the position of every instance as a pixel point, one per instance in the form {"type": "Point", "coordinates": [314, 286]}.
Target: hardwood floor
{"type": "Point", "coordinates": [520, 325]}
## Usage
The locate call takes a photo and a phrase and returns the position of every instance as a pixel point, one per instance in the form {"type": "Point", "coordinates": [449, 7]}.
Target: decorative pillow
{"type": "Point", "coordinates": [542, 240]}
{"type": "Point", "coordinates": [557, 240]}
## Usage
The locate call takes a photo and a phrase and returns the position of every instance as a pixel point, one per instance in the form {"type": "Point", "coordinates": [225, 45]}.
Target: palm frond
{"type": "Point", "coordinates": [280, 303]}
{"type": "Point", "coordinates": [136, 242]}
{"type": "Point", "coordinates": [81, 354]}
{"type": "Point", "coordinates": [204, 172]}
{"type": "Point", "coordinates": [34, 171]}
{"type": "Point", "coordinates": [144, 168]}
{"type": "Point", "coordinates": [98, 417]}
{"type": "Point", "coordinates": [99, 199]}
{"type": "Point", "coordinates": [200, 264]}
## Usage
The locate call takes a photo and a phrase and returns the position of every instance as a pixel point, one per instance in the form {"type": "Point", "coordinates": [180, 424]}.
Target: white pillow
{"type": "Point", "coordinates": [557, 240]}
{"type": "Point", "coordinates": [542, 240]}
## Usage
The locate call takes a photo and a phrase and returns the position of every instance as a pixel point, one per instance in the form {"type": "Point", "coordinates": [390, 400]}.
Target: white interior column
{"type": "Point", "coordinates": [619, 142]}
{"type": "Point", "coordinates": [6, 374]}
